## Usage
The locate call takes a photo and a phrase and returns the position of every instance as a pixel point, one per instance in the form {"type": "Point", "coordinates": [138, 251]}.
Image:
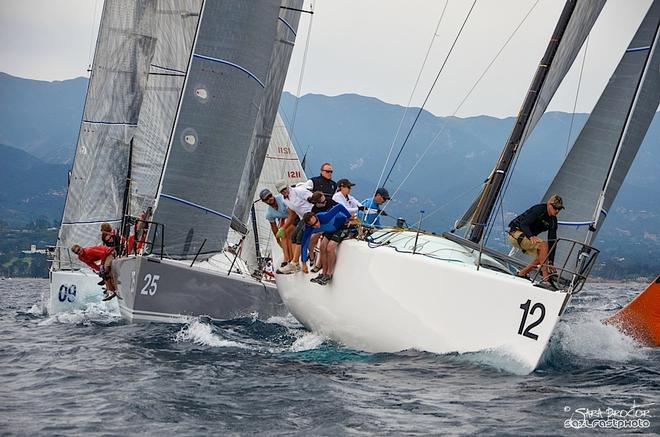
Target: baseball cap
{"type": "Point", "coordinates": [383, 193]}
{"type": "Point", "coordinates": [280, 185]}
{"type": "Point", "coordinates": [557, 202]}
{"type": "Point", "coordinates": [263, 194]}
{"type": "Point", "coordinates": [345, 183]}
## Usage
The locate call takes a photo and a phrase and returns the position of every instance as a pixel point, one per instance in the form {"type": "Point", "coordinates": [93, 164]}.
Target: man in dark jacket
{"type": "Point", "coordinates": [524, 231]}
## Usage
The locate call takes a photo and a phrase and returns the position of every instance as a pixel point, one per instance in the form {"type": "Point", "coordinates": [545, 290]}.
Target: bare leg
{"type": "Point", "coordinates": [296, 253]}
{"type": "Point", "coordinates": [312, 247]}
{"type": "Point", "coordinates": [324, 254]}
{"type": "Point", "coordinates": [331, 258]}
{"type": "Point", "coordinates": [543, 254]}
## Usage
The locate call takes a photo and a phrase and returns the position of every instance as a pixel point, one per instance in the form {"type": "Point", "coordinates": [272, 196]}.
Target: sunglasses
{"type": "Point", "coordinates": [327, 171]}
{"type": "Point", "coordinates": [268, 198]}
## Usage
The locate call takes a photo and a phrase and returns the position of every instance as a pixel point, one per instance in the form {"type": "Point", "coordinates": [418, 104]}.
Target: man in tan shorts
{"type": "Point", "coordinates": [524, 231]}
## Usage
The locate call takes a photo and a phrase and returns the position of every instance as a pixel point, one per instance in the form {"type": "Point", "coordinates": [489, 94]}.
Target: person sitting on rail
{"type": "Point", "coordinates": [331, 224]}
{"type": "Point", "coordinates": [371, 215]}
{"type": "Point", "coordinates": [524, 231]}
{"type": "Point", "coordinates": [98, 258]}
{"type": "Point", "coordinates": [276, 215]}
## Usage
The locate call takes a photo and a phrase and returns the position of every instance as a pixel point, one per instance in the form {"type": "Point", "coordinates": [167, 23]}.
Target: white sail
{"type": "Point", "coordinates": [124, 52]}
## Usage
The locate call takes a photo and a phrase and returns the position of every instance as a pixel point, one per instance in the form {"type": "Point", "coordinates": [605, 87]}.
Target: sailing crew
{"type": "Point", "coordinates": [297, 199]}
{"type": "Point", "coordinates": [371, 215]}
{"type": "Point", "coordinates": [524, 231]}
{"type": "Point", "coordinates": [276, 215]}
{"type": "Point", "coordinates": [343, 196]}
{"type": "Point", "coordinates": [331, 224]}
{"type": "Point", "coordinates": [99, 259]}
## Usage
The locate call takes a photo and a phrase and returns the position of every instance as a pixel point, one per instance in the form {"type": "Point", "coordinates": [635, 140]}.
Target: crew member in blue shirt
{"type": "Point", "coordinates": [331, 224]}
{"type": "Point", "coordinates": [370, 216]}
{"type": "Point", "coordinates": [276, 214]}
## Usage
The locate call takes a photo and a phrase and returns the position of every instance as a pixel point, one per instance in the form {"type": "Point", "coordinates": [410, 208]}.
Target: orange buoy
{"type": "Point", "coordinates": [640, 319]}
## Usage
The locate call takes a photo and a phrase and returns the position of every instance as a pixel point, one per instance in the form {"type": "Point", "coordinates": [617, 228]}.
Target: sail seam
{"type": "Point", "coordinates": [195, 205]}
{"type": "Point", "coordinates": [112, 123]}
{"type": "Point", "coordinates": [231, 64]}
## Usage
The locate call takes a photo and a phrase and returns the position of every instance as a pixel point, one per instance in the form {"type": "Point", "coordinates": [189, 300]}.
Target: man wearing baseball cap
{"type": "Point", "coordinates": [276, 214]}
{"type": "Point", "coordinates": [372, 212]}
{"type": "Point", "coordinates": [524, 231]}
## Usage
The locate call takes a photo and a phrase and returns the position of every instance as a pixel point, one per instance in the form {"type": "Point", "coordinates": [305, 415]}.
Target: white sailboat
{"type": "Point", "coordinates": [130, 54]}
{"type": "Point", "coordinates": [401, 289]}
{"type": "Point", "coordinates": [218, 142]}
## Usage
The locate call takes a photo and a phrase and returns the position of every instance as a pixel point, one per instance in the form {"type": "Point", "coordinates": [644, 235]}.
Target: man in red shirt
{"type": "Point", "coordinates": [103, 255]}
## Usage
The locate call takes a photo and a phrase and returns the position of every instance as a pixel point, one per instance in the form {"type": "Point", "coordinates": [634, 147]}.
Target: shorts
{"type": "Point", "coordinates": [525, 244]}
{"type": "Point", "coordinates": [340, 235]}
{"type": "Point", "coordinates": [297, 236]}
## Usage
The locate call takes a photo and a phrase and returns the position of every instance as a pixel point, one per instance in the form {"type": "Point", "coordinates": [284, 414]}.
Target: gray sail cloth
{"type": "Point", "coordinates": [619, 120]}
{"type": "Point", "coordinates": [114, 97]}
{"type": "Point", "coordinates": [287, 26]}
{"type": "Point", "coordinates": [173, 24]}
{"type": "Point", "coordinates": [582, 20]}
{"type": "Point", "coordinates": [215, 121]}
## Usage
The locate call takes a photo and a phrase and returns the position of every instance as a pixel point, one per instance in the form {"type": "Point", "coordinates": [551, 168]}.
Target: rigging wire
{"type": "Point", "coordinates": [483, 74]}
{"type": "Point", "coordinates": [91, 36]}
{"type": "Point", "coordinates": [577, 93]}
{"type": "Point", "coordinates": [302, 71]}
{"type": "Point", "coordinates": [412, 93]}
{"type": "Point", "coordinates": [428, 95]}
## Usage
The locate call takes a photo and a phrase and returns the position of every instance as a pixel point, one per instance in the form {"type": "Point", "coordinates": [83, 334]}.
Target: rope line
{"type": "Point", "coordinates": [577, 93]}
{"type": "Point", "coordinates": [428, 95]}
{"type": "Point", "coordinates": [412, 93]}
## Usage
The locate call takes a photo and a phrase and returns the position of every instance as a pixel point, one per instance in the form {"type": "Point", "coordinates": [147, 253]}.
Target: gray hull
{"type": "Point", "coordinates": [167, 291]}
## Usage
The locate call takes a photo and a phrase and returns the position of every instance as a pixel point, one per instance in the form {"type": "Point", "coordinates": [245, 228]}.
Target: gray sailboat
{"type": "Point", "coordinates": [216, 148]}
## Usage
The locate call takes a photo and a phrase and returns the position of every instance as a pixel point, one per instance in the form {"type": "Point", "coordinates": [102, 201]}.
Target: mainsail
{"type": "Point", "coordinates": [590, 177]}
{"type": "Point", "coordinates": [573, 27]}
{"type": "Point", "coordinates": [173, 24]}
{"type": "Point", "coordinates": [287, 24]}
{"type": "Point", "coordinates": [222, 98]}
{"type": "Point", "coordinates": [124, 51]}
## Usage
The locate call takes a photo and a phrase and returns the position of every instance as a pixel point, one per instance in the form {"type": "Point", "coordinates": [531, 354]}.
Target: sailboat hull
{"type": "Point", "coordinates": [170, 291]}
{"type": "Point", "coordinates": [383, 300]}
{"type": "Point", "coordinates": [72, 290]}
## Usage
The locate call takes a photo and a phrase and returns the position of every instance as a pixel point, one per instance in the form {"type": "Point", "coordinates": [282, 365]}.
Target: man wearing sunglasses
{"type": "Point", "coordinates": [324, 184]}
{"type": "Point", "coordinates": [524, 231]}
{"type": "Point", "coordinates": [276, 214]}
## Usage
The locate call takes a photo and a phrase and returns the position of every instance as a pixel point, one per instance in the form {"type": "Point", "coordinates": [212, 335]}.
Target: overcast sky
{"type": "Point", "coordinates": [369, 47]}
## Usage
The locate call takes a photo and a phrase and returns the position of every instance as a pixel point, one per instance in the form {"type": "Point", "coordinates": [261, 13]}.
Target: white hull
{"type": "Point", "coordinates": [383, 300]}
{"type": "Point", "coordinates": [72, 290]}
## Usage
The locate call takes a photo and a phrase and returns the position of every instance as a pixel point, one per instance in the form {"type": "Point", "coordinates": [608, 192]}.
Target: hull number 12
{"type": "Point", "coordinates": [526, 330]}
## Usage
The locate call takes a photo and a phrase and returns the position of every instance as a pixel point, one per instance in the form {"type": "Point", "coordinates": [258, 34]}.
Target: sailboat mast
{"type": "Point", "coordinates": [496, 180]}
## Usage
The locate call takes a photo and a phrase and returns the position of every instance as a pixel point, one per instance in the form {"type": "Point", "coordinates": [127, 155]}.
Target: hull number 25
{"type": "Point", "coordinates": [526, 330]}
{"type": "Point", "coordinates": [150, 284]}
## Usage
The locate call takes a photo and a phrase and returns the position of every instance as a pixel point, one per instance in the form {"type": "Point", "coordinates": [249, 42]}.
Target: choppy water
{"type": "Point", "coordinates": [89, 373]}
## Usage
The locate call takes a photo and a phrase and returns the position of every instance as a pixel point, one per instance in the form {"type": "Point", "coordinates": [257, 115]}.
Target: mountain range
{"type": "Point", "coordinates": [451, 157]}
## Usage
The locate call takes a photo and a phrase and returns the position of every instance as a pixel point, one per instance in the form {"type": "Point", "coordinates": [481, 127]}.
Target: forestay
{"type": "Point", "coordinates": [590, 177]}
{"type": "Point", "coordinates": [124, 51]}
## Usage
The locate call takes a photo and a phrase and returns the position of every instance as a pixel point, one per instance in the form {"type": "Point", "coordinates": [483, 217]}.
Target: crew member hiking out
{"type": "Point", "coordinates": [98, 258]}
{"type": "Point", "coordinates": [276, 215]}
{"type": "Point", "coordinates": [331, 224]}
{"type": "Point", "coordinates": [524, 231]}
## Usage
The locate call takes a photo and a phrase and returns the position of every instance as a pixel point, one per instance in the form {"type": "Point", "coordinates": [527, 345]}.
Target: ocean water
{"type": "Point", "coordinates": [89, 373]}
